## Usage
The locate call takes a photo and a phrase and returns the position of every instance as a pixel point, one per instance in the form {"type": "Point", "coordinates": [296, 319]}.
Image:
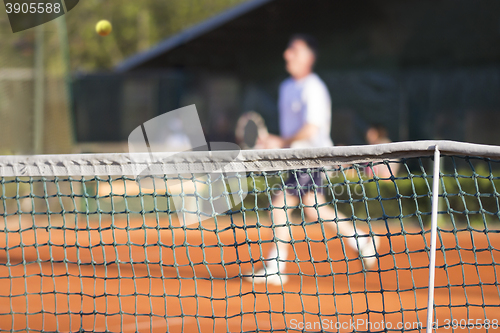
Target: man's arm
{"type": "Point", "coordinates": [307, 131]}
{"type": "Point", "coordinates": [274, 141]}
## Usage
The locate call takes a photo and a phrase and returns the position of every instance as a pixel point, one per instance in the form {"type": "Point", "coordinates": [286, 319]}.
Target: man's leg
{"type": "Point", "coordinates": [279, 216]}
{"type": "Point", "coordinates": [275, 264]}
{"type": "Point", "coordinates": [366, 246]}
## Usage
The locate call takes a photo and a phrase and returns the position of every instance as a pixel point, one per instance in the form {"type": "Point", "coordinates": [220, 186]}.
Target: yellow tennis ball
{"type": "Point", "coordinates": [103, 27]}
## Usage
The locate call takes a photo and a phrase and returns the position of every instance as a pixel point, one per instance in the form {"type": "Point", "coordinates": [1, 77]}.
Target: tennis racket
{"type": "Point", "coordinates": [251, 131]}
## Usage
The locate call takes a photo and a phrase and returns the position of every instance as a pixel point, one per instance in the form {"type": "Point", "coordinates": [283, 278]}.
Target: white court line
{"type": "Point", "coordinates": [159, 323]}
{"type": "Point", "coordinates": [146, 324]}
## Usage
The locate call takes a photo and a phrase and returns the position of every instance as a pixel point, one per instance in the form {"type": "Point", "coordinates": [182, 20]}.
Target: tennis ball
{"type": "Point", "coordinates": [103, 27]}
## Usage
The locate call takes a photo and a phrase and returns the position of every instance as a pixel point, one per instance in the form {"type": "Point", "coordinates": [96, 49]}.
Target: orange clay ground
{"type": "Point", "coordinates": [59, 296]}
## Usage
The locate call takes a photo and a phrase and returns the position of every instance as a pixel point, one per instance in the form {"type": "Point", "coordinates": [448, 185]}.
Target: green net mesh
{"type": "Point", "coordinates": [106, 254]}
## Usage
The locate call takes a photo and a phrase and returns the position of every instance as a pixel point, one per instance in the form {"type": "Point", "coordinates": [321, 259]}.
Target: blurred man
{"type": "Point", "coordinates": [305, 122]}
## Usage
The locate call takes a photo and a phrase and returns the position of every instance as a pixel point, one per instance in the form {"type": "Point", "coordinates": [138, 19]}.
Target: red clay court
{"type": "Point", "coordinates": [113, 280]}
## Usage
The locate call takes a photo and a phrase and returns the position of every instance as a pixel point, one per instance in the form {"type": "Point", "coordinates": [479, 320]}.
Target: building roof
{"type": "Point", "coordinates": [248, 40]}
{"type": "Point", "coordinates": [189, 34]}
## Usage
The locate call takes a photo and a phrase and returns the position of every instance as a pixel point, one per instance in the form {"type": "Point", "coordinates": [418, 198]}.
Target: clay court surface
{"type": "Point", "coordinates": [115, 289]}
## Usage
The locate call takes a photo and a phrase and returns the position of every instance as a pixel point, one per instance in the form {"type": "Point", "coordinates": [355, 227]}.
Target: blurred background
{"type": "Point", "coordinates": [424, 69]}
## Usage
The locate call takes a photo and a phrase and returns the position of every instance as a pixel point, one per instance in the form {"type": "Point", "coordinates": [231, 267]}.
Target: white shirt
{"type": "Point", "coordinates": [305, 101]}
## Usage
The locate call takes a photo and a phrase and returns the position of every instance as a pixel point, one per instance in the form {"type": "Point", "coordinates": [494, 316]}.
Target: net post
{"type": "Point", "coordinates": [432, 261]}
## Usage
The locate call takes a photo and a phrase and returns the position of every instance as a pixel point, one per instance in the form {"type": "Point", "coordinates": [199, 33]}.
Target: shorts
{"type": "Point", "coordinates": [301, 181]}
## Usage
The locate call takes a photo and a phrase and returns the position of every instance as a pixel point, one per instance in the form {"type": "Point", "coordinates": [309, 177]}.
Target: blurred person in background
{"type": "Point", "coordinates": [377, 134]}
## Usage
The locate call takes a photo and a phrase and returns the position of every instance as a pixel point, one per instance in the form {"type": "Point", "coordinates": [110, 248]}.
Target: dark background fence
{"type": "Point", "coordinates": [456, 104]}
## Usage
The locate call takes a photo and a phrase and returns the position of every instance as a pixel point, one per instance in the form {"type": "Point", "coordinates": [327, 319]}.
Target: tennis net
{"type": "Point", "coordinates": [87, 246]}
